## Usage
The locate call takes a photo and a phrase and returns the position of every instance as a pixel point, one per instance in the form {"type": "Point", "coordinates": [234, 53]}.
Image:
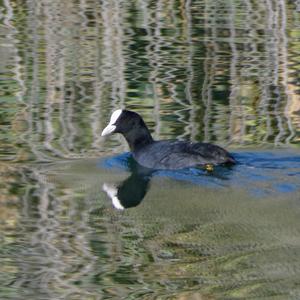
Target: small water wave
{"type": "Point", "coordinates": [260, 173]}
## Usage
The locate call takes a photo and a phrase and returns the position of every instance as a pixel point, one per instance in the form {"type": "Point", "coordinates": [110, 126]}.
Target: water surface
{"type": "Point", "coordinates": [78, 220]}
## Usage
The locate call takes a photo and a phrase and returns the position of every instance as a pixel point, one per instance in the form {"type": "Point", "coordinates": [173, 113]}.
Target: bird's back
{"type": "Point", "coordinates": [173, 154]}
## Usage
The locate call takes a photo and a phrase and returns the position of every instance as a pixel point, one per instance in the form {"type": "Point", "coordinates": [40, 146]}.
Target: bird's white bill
{"type": "Point", "coordinates": [108, 130]}
{"type": "Point", "coordinates": [112, 192]}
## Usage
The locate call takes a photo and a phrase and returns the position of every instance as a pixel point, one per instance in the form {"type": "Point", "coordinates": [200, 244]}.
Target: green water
{"type": "Point", "coordinates": [225, 72]}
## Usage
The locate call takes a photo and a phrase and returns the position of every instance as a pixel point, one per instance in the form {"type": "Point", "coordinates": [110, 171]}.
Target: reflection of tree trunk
{"type": "Point", "coordinates": [237, 120]}
{"type": "Point", "coordinates": [292, 112]}
{"type": "Point", "coordinates": [34, 126]}
{"type": "Point", "coordinates": [191, 127]}
{"type": "Point", "coordinates": [280, 60]}
{"type": "Point", "coordinates": [113, 61]}
{"type": "Point", "coordinates": [12, 41]}
{"type": "Point", "coordinates": [54, 60]}
{"type": "Point", "coordinates": [265, 98]}
{"type": "Point", "coordinates": [15, 69]}
{"type": "Point", "coordinates": [210, 64]}
{"type": "Point", "coordinates": [153, 51]}
{"type": "Point", "coordinates": [285, 71]}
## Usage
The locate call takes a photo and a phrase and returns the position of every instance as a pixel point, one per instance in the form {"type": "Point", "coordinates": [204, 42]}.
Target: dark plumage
{"type": "Point", "coordinates": [166, 154]}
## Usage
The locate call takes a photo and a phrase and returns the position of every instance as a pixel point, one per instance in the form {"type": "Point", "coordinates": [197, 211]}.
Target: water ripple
{"type": "Point", "coordinates": [217, 71]}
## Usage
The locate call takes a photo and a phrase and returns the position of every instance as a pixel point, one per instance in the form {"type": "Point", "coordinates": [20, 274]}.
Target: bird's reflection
{"type": "Point", "coordinates": [132, 190]}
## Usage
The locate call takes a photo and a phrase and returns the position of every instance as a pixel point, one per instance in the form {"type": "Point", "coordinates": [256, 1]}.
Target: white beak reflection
{"type": "Point", "coordinates": [112, 192]}
{"type": "Point", "coordinates": [130, 192]}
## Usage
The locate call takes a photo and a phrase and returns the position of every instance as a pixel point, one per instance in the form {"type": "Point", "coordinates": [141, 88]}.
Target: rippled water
{"type": "Point", "coordinates": [218, 71]}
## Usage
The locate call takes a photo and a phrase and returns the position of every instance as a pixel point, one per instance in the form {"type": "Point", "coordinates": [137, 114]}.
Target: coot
{"type": "Point", "coordinates": [166, 154]}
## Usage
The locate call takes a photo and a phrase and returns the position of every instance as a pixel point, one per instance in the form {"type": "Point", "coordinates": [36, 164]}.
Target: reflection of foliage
{"type": "Point", "coordinates": [223, 73]}
{"type": "Point", "coordinates": [9, 217]}
{"type": "Point", "coordinates": [67, 241]}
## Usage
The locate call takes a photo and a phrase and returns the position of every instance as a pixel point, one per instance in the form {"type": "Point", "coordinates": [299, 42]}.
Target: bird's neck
{"type": "Point", "coordinates": [138, 138]}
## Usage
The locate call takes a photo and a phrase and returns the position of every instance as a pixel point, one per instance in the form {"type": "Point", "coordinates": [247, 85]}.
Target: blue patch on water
{"type": "Point", "coordinates": [120, 161]}
{"type": "Point", "coordinates": [286, 188]}
{"type": "Point", "coordinates": [193, 175]}
{"type": "Point", "coordinates": [258, 192]}
{"type": "Point", "coordinates": [253, 168]}
{"type": "Point", "coordinates": [268, 160]}
{"type": "Point", "coordinates": [294, 174]}
{"type": "Point", "coordinates": [254, 174]}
